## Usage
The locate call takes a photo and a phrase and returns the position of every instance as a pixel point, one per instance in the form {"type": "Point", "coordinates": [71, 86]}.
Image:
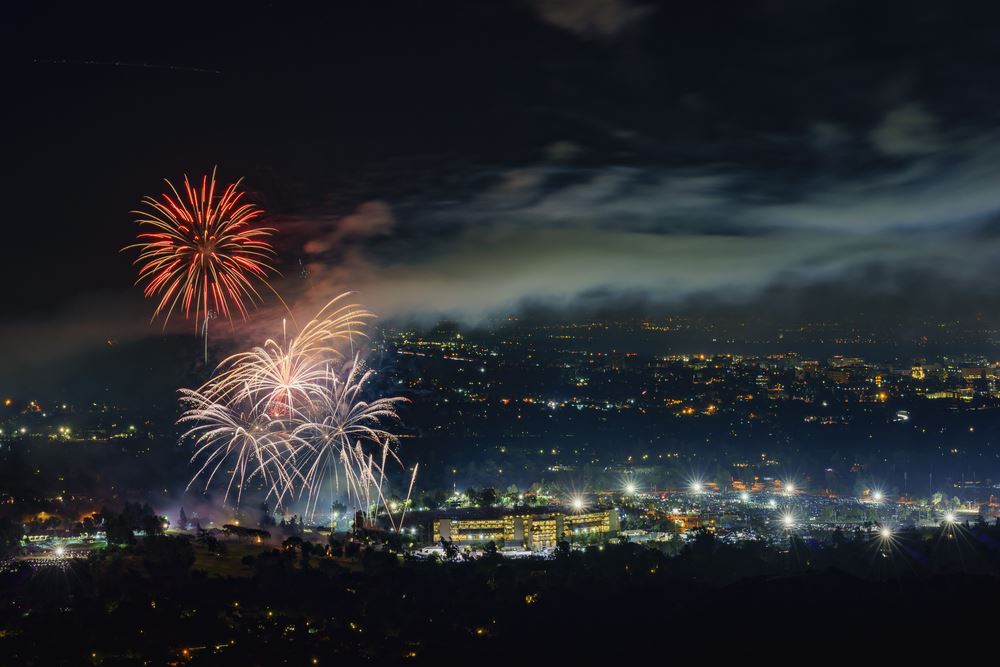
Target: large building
{"type": "Point", "coordinates": [532, 528]}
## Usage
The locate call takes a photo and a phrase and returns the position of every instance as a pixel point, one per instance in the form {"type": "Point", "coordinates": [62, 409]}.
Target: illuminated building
{"type": "Point", "coordinates": [533, 528]}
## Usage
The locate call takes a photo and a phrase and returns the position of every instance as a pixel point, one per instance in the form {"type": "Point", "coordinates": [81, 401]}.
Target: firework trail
{"type": "Point", "coordinates": [340, 427]}
{"type": "Point", "coordinates": [202, 253]}
{"type": "Point", "coordinates": [283, 378]}
{"type": "Point", "coordinates": [250, 442]}
{"type": "Point", "coordinates": [293, 415]}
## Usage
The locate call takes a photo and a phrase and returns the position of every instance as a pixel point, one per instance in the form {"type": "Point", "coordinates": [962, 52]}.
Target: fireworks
{"type": "Point", "coordinates": [341, 423]}
{"type": "Point", "coordinates": [250, 443]}
{"type": "Point", "coordinates": [293, 415]}
{"type": "Point", "coordinates": [277, 377]}
{"type": "Point", "coordinates": [202, 253]}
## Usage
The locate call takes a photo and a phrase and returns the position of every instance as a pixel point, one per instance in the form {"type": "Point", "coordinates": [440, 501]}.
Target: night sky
{"type": "Point", "coordinates": [470, 159]}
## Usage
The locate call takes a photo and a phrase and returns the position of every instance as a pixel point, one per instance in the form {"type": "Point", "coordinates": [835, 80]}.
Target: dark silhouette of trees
{"type": "Point", "coordinates": [11, 533]}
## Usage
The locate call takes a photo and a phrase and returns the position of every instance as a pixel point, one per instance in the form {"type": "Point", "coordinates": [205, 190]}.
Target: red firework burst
{"type": "Point", "coordinates": [203, 252]}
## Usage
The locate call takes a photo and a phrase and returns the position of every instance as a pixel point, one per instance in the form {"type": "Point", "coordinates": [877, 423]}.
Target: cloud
{"type": "Point", "coordinates": [604, 19]}
{"type": "Point", "coordinates": [558, 233]}
{"type": "Point", "coordinates": [905, 131]}
{"type": "Point", "coordinates": [371, 219]}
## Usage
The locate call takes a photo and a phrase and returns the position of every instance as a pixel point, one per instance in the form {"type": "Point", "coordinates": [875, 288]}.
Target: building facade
{"type": "Point", "coordinates": [534, 529]}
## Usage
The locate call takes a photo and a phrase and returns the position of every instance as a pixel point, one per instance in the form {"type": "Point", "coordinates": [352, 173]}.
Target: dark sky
{"type": "Point", "coordinates": [464, 158]}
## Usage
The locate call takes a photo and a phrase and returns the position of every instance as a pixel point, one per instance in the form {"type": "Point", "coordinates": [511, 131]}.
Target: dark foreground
{"type": "Point", "coordinates": [151, 603]}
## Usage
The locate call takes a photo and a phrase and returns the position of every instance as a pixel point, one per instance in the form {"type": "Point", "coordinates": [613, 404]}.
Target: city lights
{"type": "Point", "coordinates": [711, 293]}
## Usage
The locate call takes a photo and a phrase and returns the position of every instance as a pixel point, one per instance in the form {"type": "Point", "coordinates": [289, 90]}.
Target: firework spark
{"type": "Point", "coordinates": [280, 378]}
{"type": "Point", "coordinates": [250, 442]}
{"type": "Point", "coordinates": [340, 427]}
{"type": "Point", "coordinates": [294, 415]}
{"type": "Point", "coordinates": [203, 252]}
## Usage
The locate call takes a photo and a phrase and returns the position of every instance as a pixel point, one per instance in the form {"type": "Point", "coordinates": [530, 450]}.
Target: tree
{"type": "Point", "coordinates": [337, 510]}
{"type": "Point", "coordinates": [10, 534]}
{"type": "Point", "coordinates": [266, 516]}
{"type": "Point", "coordinates": [210, 542]}
{"type": "Point", "coordinates": [117, 530]}
{"type": "Point", "coordinates": [487, 497]}
{"type": "Point", "coordinates": [450, 550]}
{"type": "Point", "coordinates": [336, 547]}
{"type": "Point", "coordinates": [183, 520]}
{"type": "Point", "coordinates": [152, 525]}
